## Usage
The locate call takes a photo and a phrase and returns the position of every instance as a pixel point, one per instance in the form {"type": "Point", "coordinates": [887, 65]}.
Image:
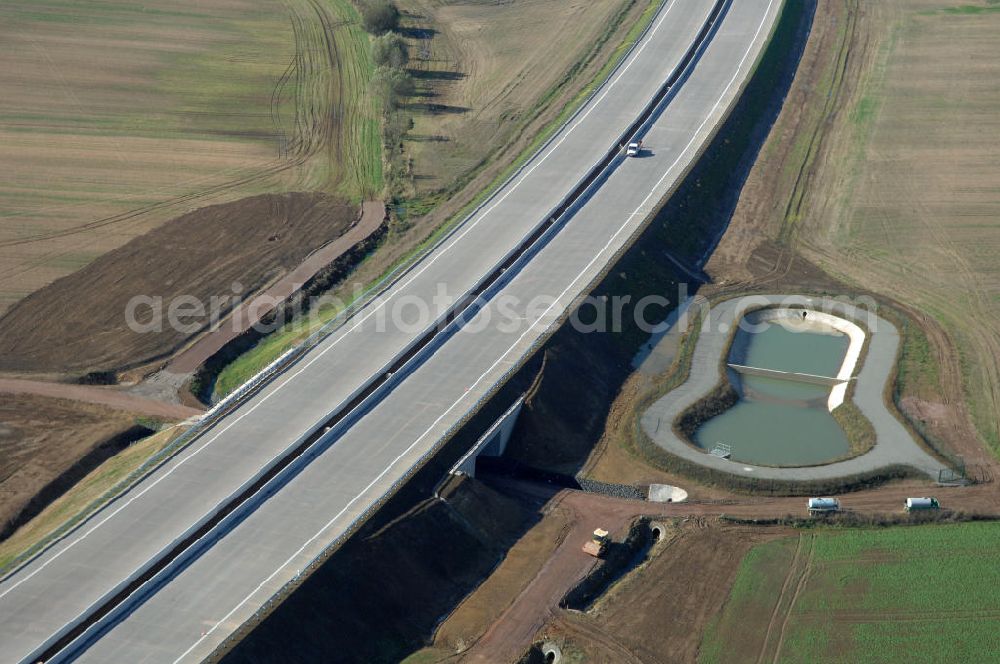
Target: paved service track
{"type": "Point", "coordinates": [193, 612]}
{"type": "Point", "coordinates": [894, 444]}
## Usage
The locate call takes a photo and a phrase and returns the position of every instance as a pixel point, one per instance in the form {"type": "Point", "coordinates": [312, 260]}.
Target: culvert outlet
{"type": "Point", "coordinates": [657, 530]}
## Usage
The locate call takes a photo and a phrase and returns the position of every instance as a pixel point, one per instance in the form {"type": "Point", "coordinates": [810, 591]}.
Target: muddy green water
{"type": "Point", "coordinates": [780, 422]}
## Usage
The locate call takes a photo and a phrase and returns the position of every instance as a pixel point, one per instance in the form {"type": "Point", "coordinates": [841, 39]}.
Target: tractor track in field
{"type": "Point", "coordinates": [803, 579]}
{"type": "Point", "coordinates": [931, 616]}
{"type": "Point", "coordinates": [761, 657]}
{"type": "Point", "coordinates": [166, 204]}
{"type": "Point", "coordinates": [311, 136]}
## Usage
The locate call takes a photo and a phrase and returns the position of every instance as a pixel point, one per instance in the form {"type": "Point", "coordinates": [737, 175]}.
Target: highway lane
{"type": "Point", "coordinates": [222, 588]}
{"type": "Point", "coordinates": [77, 572]}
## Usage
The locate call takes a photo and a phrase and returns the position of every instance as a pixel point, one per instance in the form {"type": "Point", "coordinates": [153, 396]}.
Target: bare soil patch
{"type": "Point", "coordinates": [251, 312]}
{"type": "Point", "coordinates": [78, 324]}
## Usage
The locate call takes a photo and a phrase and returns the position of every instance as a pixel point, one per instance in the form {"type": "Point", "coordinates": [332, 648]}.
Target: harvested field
{"type": "Point", "coordinates": [202, 254]}
{"type": "Point", "coordinates": [41, 438]}
{"type": "Point", "coordinates": [116, 118]}
{"type": "Point", "coordinates": [922, 594]}
{"type": "Point", "coordinates": [882, 172]}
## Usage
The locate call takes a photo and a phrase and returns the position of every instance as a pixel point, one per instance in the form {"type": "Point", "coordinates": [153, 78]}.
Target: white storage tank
{"type": "Point", "coordinates": [921, 504]}
{"type": "Point", "coordinates": [824, 504]}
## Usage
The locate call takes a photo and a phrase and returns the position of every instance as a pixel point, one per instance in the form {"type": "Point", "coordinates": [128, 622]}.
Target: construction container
{"type": "Point", "coordinates": [921, 504]}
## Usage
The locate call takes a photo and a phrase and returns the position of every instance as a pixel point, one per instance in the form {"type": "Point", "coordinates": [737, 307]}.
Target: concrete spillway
{"type": "Point", "coordinates": [812, 379]}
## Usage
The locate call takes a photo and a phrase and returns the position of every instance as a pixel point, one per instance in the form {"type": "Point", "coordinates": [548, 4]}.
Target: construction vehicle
{"type": "Point", "coordinates": [598, 544]}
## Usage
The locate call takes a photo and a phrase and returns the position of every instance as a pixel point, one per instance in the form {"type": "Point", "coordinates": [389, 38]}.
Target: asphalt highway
{"type": "Point", "coordinates": [191, 613]}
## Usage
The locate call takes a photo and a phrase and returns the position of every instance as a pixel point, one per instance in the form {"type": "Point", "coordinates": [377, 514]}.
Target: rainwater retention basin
{"type": "Point", "coordinates": [790, 368]}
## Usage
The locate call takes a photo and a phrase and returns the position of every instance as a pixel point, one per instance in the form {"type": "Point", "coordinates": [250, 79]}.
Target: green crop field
{"type": "Point", "coordinates": [904, 594]}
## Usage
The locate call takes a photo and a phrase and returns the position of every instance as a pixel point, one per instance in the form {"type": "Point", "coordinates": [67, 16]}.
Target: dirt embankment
{"type": "Point", "coordinates": [42, 442]}
{"type": "Point", "coordinates": [380, 596]}
{"type": "Point", "coordinates": [216, 251]}
{"type": "Point", "coordinates": [252, 312]}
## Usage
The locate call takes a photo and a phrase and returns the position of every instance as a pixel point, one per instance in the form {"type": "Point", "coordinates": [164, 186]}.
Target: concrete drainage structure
{"type": "Point", "coordinates": [894, 445]}
{"type": "Point", "coordinates": [665, 493]}
{"type": "Point", "coordinates": [551, 652]}
{"type": "Point", "coordinates": [658, 530]}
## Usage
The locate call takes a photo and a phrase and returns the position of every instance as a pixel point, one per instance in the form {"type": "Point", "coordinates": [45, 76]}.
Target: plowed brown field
{"type": "Point", "coordinates": [35, 448]}
{"type": "Point", "coordinates": [78, 324]}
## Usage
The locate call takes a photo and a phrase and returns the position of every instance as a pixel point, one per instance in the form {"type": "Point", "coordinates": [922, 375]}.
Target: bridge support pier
{"type": "Point", "coordinates": [492, 443]}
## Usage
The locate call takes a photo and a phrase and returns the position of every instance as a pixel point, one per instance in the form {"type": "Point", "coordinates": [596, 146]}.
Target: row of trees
{"type": "Point", "coordinates": [391, 82]}
{"type": "Point", "coordinates": [379, 16]}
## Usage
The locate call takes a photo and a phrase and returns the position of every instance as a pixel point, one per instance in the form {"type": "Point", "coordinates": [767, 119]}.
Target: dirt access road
{"type": "Point", "coordinates": [104, 396]}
